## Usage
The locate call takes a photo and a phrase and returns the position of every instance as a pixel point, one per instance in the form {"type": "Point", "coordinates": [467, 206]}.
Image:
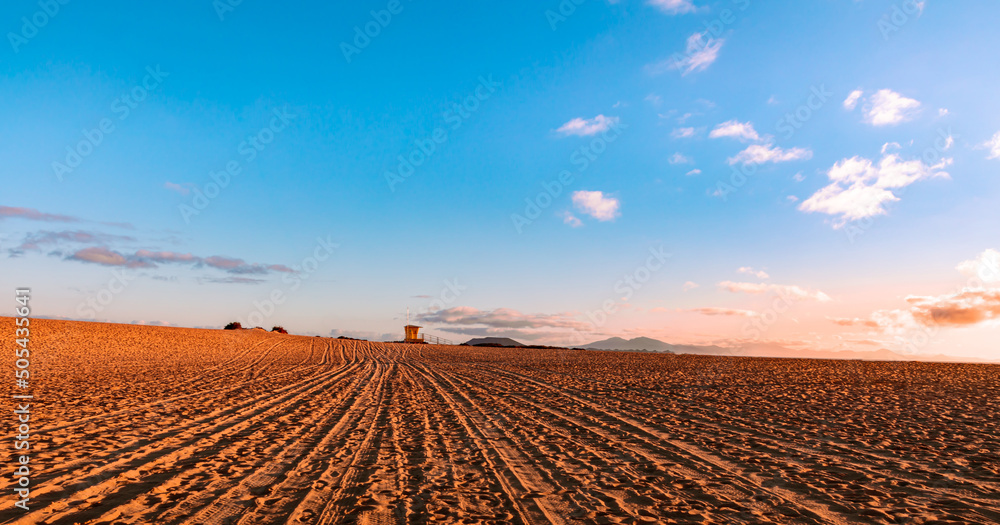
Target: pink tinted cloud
{"type": "Point", "coordinates": [502, 318]}
{"type": "Point", "coordinates": [33, 215]}
{"type": "Point", "coordinates": [729, 312]}
{"type": "Point", "coordinates": [965, 308]}
{"type": "Point", "coordinates": [782, 289]}
{"type": "Point", "coordinates": [166, 257]}
{"type": "Point", "coordinates": [840, 321]}
{"type": "Point", "coordinates": [34, 241]}
{"type": "Point", "coordinates": [104, 256]}
{"type": "Point", "coordinates": [150, 259]}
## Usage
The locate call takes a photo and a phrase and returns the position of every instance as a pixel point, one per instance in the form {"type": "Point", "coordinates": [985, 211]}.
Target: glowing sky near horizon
{"type": "Point", "coordinates": [734, 172]}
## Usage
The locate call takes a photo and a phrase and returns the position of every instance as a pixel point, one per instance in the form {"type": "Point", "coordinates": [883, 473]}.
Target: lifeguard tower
{"type": "Point", "coordinates": [413, 334]}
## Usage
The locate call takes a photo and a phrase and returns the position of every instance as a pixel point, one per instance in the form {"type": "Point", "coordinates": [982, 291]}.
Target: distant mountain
{"type": "Point", "coordinates": [498, 341]}
{"type": "Point", "coordinates": [765, 350]}
{"type": "Point", "coordinates": [639, 343]}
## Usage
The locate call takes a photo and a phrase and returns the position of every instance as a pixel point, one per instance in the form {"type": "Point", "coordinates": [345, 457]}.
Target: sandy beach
{"type": "Point", "coordinates": [170, 425]}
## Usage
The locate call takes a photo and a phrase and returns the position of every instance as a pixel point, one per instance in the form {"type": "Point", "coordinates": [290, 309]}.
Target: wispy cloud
{"type": "Point", "coordinates": [764, 153]}
{"type": "Point", "coordinates": [232, 265]}
{"type": "Point", "coordinates": [689, 285]}
{"type": "Point", "coordinates": [147, 259]}
{"type": "Point", "coordinates": [572, 220]}
{"type": "Point", "coordinates": [586, 127]}
{"type": "Point", "coordinates": [106, 257]}
{"type": "Point", "coordinates": [683, 133]}
{"type": "Point", "coordinates": [679, 158]}
{"type": "Point", "coordinates": [504, 318]}
{"type": "Point", "coordinates": [231, 280]}
{"type": "Point", "coordinates": [841, 321]}
{"type": "Point", "coordinates": [702, 50]}
{"type": "Point", "coordinates": [179, 188]}
{"type": "Point", "coordinates": [728, 312]}
{"type": "Point", "coordinates": [31, 214]}
{"type": "Point", "coordinates": [859, 189]}
{"type": "Point", "coordinates": [36, 240]}
{"type": "Point", "coordinates": [793, 291]}
{"type": "Point", "coordinates": [596, 204]}
{"type": "Point", "coordinates": [167, 257]}
{"type": "Point", "coordinates": [760, 274]}
{"type": "Point", "coordinates": [851, 101]}
{"type": "Point", "coordinates": [674, 7]}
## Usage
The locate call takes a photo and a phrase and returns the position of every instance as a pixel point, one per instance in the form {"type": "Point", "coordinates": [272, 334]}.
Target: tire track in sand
{"type": "Point", "coordinates": [73, 489]}
{"type": "Point", "coordinates": [536, 499]}
{"type": "Point", "coordinates": [654, 439]}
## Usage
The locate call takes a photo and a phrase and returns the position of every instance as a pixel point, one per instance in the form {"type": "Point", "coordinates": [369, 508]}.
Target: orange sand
{"type": "Point", "coordinates": [137, 424]}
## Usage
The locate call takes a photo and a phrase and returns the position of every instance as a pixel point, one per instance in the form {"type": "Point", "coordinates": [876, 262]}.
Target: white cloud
{"type": "Point", "coordinates": [887, 145]}
{"type": "Point", "coordinates": [760, 274]}
{"type": "Point", "coordinates": [682, 133]}
{"type": "Point", "coordinates": [852, 100]}
{"type": "Point", "coordinates": [762, 153]}
{"type": "Point", "coordinates": [693, 172]}
{"type": "Point", "coordinates": [679, 158]}
{"type": "Point", "coordinates": [729, 312]}
{"type": "Point", "coordinates": [572, 220]}
{"type": "Point", "coordinates": [596, 204]}
{"type": "Point", "coordinates": [701, 52]}
{"type": "Point", "coordinates": [795, 292]}
{"type": "Point", "coordinates": [688, 286]}
{"type": "Point", "coordinates": [859, 189]}
{"type": "Point", "coordinates": [985, 267]}
{"type": "Point", "coordinates": [943, 112]}
{"type": "Point", "coordinates": [739, 130]}
{"type": "Point", "coordinates": [586, 127]}
{"type": "Point", "coordinates": [799, 177]}
{"type": "Point", "coordinates": [993, 145]}
{"type": "Point", "coordinates": [792, 198]}
{"type": "Point", "coordinates": [888, 108]}
{"type": "Point", "coordinates": [674, 7]}
{"type": "Point", "coordinates": [654, 99]}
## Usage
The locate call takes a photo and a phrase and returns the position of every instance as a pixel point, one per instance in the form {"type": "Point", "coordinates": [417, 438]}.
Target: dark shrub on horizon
{"type": "Point", "coordinates": [279, 329]}
{"type": "Point", "coordinates": [234, 326]}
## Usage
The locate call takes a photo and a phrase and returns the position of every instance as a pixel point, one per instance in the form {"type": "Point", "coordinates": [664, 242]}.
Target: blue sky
{"type": "Point", "coordinates": [869, 129]}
